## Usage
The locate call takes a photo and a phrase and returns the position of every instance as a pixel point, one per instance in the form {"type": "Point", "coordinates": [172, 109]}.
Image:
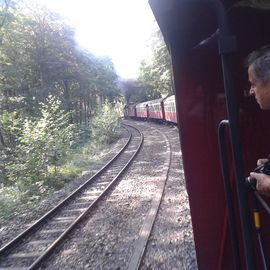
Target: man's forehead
{"type": "Point", "coordinates": [251, 73]}
{"type": "Point", "coordinates": [251, 68]}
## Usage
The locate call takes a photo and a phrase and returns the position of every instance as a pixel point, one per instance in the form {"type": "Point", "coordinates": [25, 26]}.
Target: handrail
{"type": "Point", "coordinates": [251, 184]}
{"type": "Point", "coordinates": [227, 46]}
{"type": "Point", "coordinates": [228, 193]}
{"type": "Point", "coordinates": [257, 224]}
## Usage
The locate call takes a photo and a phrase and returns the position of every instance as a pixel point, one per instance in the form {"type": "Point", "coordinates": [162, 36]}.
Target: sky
{"type": "Point", "coordinates": [120, 29]}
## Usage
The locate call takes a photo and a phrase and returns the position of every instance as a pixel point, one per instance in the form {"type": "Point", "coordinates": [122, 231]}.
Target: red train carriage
{"type": "Point", "coordinates": [142, 110]}
{"type": "Point", "coordinates": [208, 42]}
{"type": "Point", "coordinates": [131, 110]}
{"type": "Point", "coordinates": [126, 111]}
{"type": "Point", "coordinates": [156, 109]}
{"type": "Point", "coordinates": [170, 109]}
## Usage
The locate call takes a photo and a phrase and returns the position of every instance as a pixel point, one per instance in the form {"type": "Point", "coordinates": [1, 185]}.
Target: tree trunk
{"type": "Point", "coordinates": [2, 139]}
{"type": "Point", "coordinates": [81, 110]}
{"type": "Point", "coordinates": [67, 98]}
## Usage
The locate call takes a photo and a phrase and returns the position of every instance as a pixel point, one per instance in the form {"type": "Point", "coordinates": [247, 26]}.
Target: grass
{"type": "Point", "coordinates": [16, 200]}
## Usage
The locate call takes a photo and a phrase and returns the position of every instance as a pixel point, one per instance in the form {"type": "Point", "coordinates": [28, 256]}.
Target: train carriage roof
{"type": "Point", "coordinates": [150, 102]}
{"type": "Point", "coordinates": [169, 99]}
{"type": "Point", "coordinates": [155, 101]}
{"type": "Point", "coordinates": [141, 105]}
{"type": "Point", "coordinates": [179, 19]}
{"type": "Point", "coordinates": [196, 32]}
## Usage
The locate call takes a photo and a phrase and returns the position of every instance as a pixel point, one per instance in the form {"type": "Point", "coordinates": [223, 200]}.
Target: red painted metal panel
{"type": "Point", "coordinates": [171, 117]}
{"type": "Point", "coordinates": [142, 110]}
{"type": "Point", "coordinates": [156, 109]}
{"type": "Point", "coordinates": [156, 114]}
{"type": "Point", "coordinates": [132, 110]}
{"type": "Point", "coordinates": [142, 114]}
{"type": "Point", "coordinates": [170, 109]}
{"type": "Point", "coordinates": [201, 106]}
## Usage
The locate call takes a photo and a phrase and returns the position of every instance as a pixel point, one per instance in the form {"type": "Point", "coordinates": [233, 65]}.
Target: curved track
{"type": "Point", "coordinates": [35, 244]}
{"type": "Point", "coordinates": [146, 230]}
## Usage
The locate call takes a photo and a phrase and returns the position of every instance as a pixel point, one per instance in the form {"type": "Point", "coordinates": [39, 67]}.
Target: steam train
{"type": "Point", "coordinates": [162, 109]}
{"type": "Point", "coordinates": [222, 129]}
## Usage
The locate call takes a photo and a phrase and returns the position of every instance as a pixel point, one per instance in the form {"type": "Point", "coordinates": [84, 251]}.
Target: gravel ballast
{"type": "Point", "coordinates": [106, 239]}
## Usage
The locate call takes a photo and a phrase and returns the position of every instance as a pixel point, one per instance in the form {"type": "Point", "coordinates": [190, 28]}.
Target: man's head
{"type": "Point", "coordinates": [258, 63]}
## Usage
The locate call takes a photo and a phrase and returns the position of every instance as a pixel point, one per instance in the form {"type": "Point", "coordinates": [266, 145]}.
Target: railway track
{"type": "Point", "coordinates": [142, 241]}
{"type": "Point", "coordinates": [125, 224]}
{"type": "Point", "coordinates": [34, 245]}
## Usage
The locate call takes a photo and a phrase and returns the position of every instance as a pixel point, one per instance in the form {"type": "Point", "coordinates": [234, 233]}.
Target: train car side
{"type": "Point", "coordinates": [142, 110]}
{"type": "Point", "coordinates": [131, 111]}
{"type": "Point", "coordinates": [156, 109]}
{"type": "Point", "coordinates": [163, 109]}
{"type": "Point", "coordinates": [208, 42]}
{"type": "Point", "coordinates": [170, 109]}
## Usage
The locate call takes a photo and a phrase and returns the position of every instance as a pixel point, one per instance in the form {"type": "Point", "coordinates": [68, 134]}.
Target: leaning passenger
{"type": "Point", "coordinates": [259, 77]}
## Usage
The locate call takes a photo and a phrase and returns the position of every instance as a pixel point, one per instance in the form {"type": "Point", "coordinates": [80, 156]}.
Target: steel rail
{"type": "Point", "coordinates": [51, 212]}
{"type": "Point", "coordinates": [151, 216]}
{"type": "Point", "coordinates": [61, 238]}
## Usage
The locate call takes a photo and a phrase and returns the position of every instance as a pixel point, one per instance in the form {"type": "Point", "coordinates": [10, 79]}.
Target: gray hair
{"type": "Point", "coordinates": [260, 60]}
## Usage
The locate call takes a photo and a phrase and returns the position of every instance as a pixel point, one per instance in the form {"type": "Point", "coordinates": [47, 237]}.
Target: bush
{"type": "Point", "coordinates": [9, 201]}
{"type": "Point", "coordinates": [43, 143]}
{"type": "Point", "coordinates": [105, 124]}
{"type": "Point", "coordinates": [44, 159]}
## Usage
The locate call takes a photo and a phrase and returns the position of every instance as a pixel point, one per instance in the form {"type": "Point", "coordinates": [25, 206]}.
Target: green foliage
{"type": "Point", "coordinates": [9, 198]}
{"type": "Point", "coordinates": [43, 143]}
{"type": "Point", "coordinates": [138, 91]}
{"type": "Point", "coordinates": [39, 57]}
{"type": "Point", "coordinates": [49, 91]}
{"type": "Point", "coordinates": [15, 199]}
{"type": "Point", "coordinates": [10, 131]}
{"type": "Point", "coordinates": [155, 74]}
{"type": "Point", "coordinates": [105, 123]}
{"type": "Point", "coordinates": [154, 79]}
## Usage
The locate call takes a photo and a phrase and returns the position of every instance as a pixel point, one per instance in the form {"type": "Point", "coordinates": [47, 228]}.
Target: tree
{"type": "Point", "coordinates": [155, 74]}
{"type": "Point", "coordinates": [40, 63]}
{"type": "Point", "coordinates": [5, 14]}
{"type": "Point", "coordinates": [10, 131]}
{"type": "Point", "coordinates": [39, 58]}
{"type": "Point", "coordinates": [137, 91]}
{"type": "Point", "coordinates": [105, 123]}
{"type": "Point", "coordinates": [43, 143]}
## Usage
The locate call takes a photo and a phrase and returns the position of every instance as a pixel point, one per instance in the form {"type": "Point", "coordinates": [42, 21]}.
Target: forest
{"type": "Point", "coordinates": [155, 74]}
{"type": "Point", "coordinates": [59, 104]}
{"type": "Point", "coordinates": [50, 93]}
